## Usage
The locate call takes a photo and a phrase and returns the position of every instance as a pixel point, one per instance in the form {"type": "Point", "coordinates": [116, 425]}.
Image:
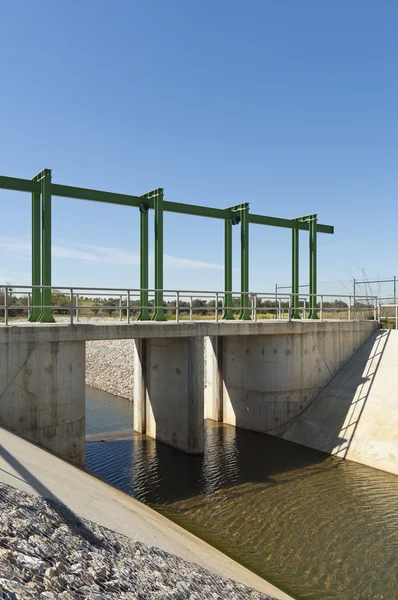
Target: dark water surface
{"type": "Point", "coordinates": [318, 527]}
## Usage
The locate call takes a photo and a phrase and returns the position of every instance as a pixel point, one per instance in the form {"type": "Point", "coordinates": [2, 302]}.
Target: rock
{"type": "Point", "coordinates": [7, 556]}
{"type": "Point", "coordinates": [55, 556]}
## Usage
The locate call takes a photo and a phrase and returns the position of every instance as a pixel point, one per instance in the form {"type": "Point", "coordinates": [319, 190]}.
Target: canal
{"type": "Point", "coordinates": [317, 527]}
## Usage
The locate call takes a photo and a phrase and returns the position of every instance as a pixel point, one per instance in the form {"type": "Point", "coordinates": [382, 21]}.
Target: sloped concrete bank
{"type": "Point", "coordinates": [356, 415]}
{"type": "Point", "coordinates": [70, 535]}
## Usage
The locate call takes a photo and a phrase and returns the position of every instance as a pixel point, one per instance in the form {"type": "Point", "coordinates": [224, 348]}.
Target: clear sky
{"type": "Point", "coordinates": [289, 105]}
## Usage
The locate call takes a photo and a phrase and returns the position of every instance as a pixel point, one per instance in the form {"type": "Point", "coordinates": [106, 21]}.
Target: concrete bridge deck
{"type": "Point", "coordinates": [64, 332]}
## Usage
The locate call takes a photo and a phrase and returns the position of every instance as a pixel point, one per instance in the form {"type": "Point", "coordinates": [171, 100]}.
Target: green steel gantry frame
{"type": "Point", "coordinates": [42, 190]}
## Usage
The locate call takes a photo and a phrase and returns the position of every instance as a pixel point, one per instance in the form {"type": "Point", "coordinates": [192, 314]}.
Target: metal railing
{"type": "Point", "coordinates": [74, 304]}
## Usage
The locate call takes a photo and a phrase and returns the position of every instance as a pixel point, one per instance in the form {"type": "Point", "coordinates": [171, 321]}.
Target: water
{"type": "Point", "coordinates": [317, 527]}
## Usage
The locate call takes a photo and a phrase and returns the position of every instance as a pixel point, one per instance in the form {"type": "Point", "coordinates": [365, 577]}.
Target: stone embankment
{"type": "Point", "coordinates": [48, 553]}
{"type": "Point", "coordinates": [109, 366]}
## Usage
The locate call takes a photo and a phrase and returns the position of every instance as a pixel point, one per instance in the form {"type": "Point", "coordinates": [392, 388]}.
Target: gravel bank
{"type": "Point", "coordinates": [48, 553]}
{"type": "Point", "coordinates": [109, 367]}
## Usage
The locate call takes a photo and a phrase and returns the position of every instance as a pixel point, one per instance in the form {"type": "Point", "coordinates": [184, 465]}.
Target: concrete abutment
{"type": "Point", "coordinates": [42, 394]}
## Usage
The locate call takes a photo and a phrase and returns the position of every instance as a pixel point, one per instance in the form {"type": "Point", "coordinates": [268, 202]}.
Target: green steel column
{"type": "Point", "coordinates": [228, 314]}
{"type": "Point", "coordinates": [158, 205]}
{"type": "Point", "coordinates": [313, 268]}
{"type": "Point", "coordinates": [295, 274]}
{"type": "Point", "coordinates": [244, 264]}
{"type": "Point", "coordinates": [144, 263]}
{"type": "Point", "coordinates": [45, 179]}
{"type": "Point", "coordinates": [36, 257]}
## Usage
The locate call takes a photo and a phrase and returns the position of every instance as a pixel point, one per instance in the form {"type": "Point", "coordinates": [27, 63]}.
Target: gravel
{"type": "Point", "coordinates": [109, 366]}
{"type": "Point", "coordinates": [48, 553]}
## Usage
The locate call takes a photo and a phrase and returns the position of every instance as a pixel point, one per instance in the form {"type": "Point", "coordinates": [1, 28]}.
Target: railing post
{"type": "Point", "coordinates": [128, 307]}
{"type": "Point", "coordinates": [290, 308]}
{"type": "Point", "coordinates": [396, 316]}
{"type": "Point", "coordinates": [216, 313]}
{"type": "Point", "coordinates": [375, 309]}
{"type": "Point", "coordinates": [349, 308]}
{"type": "Point", "coordinates": [304, 308]}
{"type": "Point", "coordinates": [190, 309]}
{"type": "Point", "coordinates": [321, 308]}
{"type": "Point", "coordinates": [29, 306]}
{"type": "Point", "coordinates": [178, 307]}
{"type": "Point", "coordinates": [120, 308]}
{"type": "Point", "coordinates": [6, 305]}
{"type": "Point", "coordinates": [254, 299]}
{"type": "Point", "coordinates": [71, 305]}
{"type": "Point", "coordinates": [77, 308]}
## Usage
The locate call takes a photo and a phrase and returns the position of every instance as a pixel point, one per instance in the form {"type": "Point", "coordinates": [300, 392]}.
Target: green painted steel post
{"type": "Point", "coordinates": [45, 180]}
{"type": "Point", "coordinates": [158, 206]}
{"type": "Point", "coordinates": [313, 267]}
{"type": "Point", "coordinates": [36, 257]}
{"type": "Point", "coordinates": [144, 263]}
{"type": "Point", "coordinates": [228, 314]}
{"type": "Point", "coordinates": [244, 264]}
{"type": "Point", "coordinates": [295, 274]}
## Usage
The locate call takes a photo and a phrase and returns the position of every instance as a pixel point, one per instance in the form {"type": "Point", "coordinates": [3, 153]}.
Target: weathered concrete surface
{"type": "Point", "coordinates": [150, 329]}
{"type": "Point", "coordinates": [169, 391]}
{"type": "Point", "coordinates": [42, 394]}
{"type": "Point", "coordinates": [35, 471]}
{"type": "Point", "coordinates": [356, 415]}
{"type": "Point", "coordinates": [270, 379]}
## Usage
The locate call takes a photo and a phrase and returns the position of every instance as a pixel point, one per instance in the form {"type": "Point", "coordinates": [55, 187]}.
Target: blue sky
{"type": "Point", "coordinates": [291, 106]}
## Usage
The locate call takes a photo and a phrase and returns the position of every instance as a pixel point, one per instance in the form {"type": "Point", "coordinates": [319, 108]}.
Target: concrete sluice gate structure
{"type": "Point", "coordinates": [316, 383]}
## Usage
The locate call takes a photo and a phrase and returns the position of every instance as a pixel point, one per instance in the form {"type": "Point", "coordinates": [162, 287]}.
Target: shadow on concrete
{"type": "Point", "coordinates": [330, 422]}
{"type": "Point", "coordinates": [74, 523]}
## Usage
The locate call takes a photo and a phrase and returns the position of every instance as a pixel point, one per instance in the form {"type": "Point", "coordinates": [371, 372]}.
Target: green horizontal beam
{"type": "Point", "coordinates": [199, 211]}
{"type": "Point", "coordinates": [67, 191]}
{"type": "Point", "coordinates": [288, 223]}
{"type": "Point", "coordinates": [19, 185]}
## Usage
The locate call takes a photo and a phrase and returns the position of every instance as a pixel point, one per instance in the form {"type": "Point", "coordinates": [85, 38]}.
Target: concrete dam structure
{"type": "Point", "coordinates": [260, 376]}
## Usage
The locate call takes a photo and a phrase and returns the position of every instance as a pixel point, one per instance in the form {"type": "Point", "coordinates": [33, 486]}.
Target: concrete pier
{"type": "Point", "coordinates": [42, 394]}
{"type": "Point", "coordinates": [169, 391]}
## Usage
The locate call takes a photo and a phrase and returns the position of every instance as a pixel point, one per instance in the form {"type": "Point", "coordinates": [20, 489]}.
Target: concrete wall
{"type": "Point", "coordinates": [356, 415]}
{"type": "Point", "coordinates": [270, 379]}
{"type": "Point", "coordinates": [169, 391]}
{"type": "Point", "coordinates": [42, 394]}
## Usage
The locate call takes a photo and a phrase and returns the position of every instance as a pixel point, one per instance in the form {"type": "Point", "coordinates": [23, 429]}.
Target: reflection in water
{"type": "Point", "coordinates": [316, 526]}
